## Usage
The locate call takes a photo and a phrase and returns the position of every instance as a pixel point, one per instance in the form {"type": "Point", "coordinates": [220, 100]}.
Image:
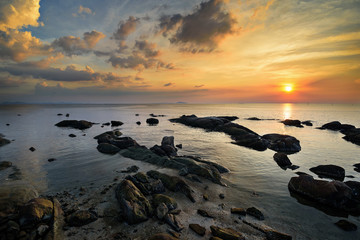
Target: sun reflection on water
{"type": "Point", "coordinates": [287, 110]}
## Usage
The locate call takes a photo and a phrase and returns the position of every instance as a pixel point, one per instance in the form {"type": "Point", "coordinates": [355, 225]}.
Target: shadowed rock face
{"type": "Point", "coordinates": [329, 171]}
{"type": "Point", "coordinates": [82, 124]}
{"type": "Point", "coordinates": [331, 194]}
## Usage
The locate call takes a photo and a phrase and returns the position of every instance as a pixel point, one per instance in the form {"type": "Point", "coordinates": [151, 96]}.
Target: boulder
{"type": "Point", "coordinates": [4, 141]}
{"type": "Point", "coordinates": [5, 164]}
{"type": "Point", "coordinates": [240, 211]}
{"type": "Point", "coordinates": [352, 135]}
{"type": "Point", "coordinates": [200, 230]}
{"type": "Point", "coordinates": [282, 160]}
{"type": "Point", "coordinates": [152, 121]}
{"type": "Point", "coordinates": [107, 148]}
{"type": "Point", "coordinates": [82, 124]}
{"type": "Point", "coordinates": [226, 233]}
{"type": "Point", "coordinates": [290, 122]}
{"type": "Point", "coordinates": [282, 143]}
{"type": "Point", "coordinates": [256, 213]}
{"type": "Point", "coordinates": [36, 210]}
{"type": "Point", "coordinates": [173, 222]}
{"type": "Point", "coordinates": [173, 183]}
{"type": "Point", "coordinates": [32, 149]}
{"type": "Point", "coordinates": [334, 194]}
{"type": "Point", "coordinates": [134, 206]}
{"type": "Point", "coordinates": [162, 236]}
{"type": "Point", "coordinates": [131, 169]}
{"type": "Point", "coordinates": [168, 201]}
{"type": "Point", "coordinates": [335, 125]}
{"type": "Point", "coordinates": [72, 135]}
{"type": "Point", "coordinates": [142, 177]}
{"type": "Point", "coordinates": [116, 123]}
{"type": "Point", "coordinates": [346, 225]}
{"type": "Point", "coordinates": [329, 171]}
{"type": "Point", "coordinates": [81, 218]}
{"type": "Point", "coordinates": [307, 123]}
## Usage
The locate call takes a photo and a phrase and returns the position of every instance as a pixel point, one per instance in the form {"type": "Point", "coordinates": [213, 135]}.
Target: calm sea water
{"type": "Point", "coordinates": [255, 179]}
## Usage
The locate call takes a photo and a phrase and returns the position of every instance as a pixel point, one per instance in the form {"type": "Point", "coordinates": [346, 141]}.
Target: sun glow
{"type": "Point", "coordinates": [288, 88]}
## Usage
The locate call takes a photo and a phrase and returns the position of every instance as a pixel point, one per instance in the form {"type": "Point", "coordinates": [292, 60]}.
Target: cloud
{"type": "Point", "coordinates": [9, 82]}
{"type": "Point", "coordinates": [17, 45]}
{"type": "Point", "coordinates": [199, 86]}
{"type": "Point", "coordinates": [125, 28]}
{"type": "Point", "coordinates": [138, 62]}
{"type": "Point", "coordinates": [148, 49]}
{"type": "Point", "coordinates": [202, 30]}
{"type": "Point", "coordinates": [71, 45]}
{"type": "Point", "coordinates": [15, 14]}
{"type": "Point", "coordinates": [169, 84]}
{"type": "Point", "coordinates": [82, 11]}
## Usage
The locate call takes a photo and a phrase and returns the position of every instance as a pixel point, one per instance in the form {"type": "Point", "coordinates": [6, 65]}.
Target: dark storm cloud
{"type": "Point", "coordinates": [202, 30]}
{"type": "Point", "coordinates": [71, 45]}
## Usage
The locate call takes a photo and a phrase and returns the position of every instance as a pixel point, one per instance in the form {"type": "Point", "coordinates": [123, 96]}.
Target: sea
{"type": "Point", "coordinates": [254, 179]}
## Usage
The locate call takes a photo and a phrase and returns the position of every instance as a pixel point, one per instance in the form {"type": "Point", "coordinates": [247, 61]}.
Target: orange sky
{"type": "Point", "coordinates": [212, 51]}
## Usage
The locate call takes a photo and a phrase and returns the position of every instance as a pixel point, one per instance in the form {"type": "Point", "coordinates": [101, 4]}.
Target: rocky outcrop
{"type": "Point", "coordinates": [352, 135]}
{"type": "Point", "coordinates": [226, 233]}
{"type": "Point", "coordinates": [336, 126]}
{"type": "Point", "coordinates": [82, 124]}
{"type": "Point", "coordinates": [291, 122]}
{"type": "Point", "coordinates": [173, 183]}
{"type": "Point", "coordinates": [148, 187]}
{"type": "Point", "coordinates": [135, 207]}
{"type": "Point", "coordinates": [282, 143]}
{"type": "Point", "coordinates": [168, 201]}
{"type": "Point", "coordinates": [333, 194]}
{"type": "Point", "coordinates": [307, 123]}
{"type": "Point", "coordinates": [329, 171]}
{"type": "Point", "coordinates": [167, 147]}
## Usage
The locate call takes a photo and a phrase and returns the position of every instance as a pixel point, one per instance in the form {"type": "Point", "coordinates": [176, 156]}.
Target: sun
{"type": "Point", "coordinates": [288, 88]}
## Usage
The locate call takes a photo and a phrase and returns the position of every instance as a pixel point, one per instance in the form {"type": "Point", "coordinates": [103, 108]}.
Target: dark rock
{"type": "Point", "coordinates": [270, 233]}
{"type": "Point", "coordinates": [4, 141]}
{"type": "Point", "coordinates": [131, 169]}
{"type": "Point", "coordinates": [240, 211]}
{"type": "Point", "coordinates": [138, 123]}
{"type": "Point", "coordinates": [116, 123]}
{"type": "Point", "coordinates": [142, 177]}
{"type": "Point", "coordinates": [290, 122]}
{"type": "Point", "coordinates": [175, 211]}
{"type": "Point", "coordinates": [107, 148]}
{"type": "Point", "coordinates": [161, 210]}
{"type": "Point", "coordinates": [282, 160]}
{"type": "Point", "coordinates": [293, 167]}
{"type": "Point", "coordinates": [59, 114]}
{"type": "Point", "coordinates": [152, 121]}
{"type": "Point", "coordinates": [355, 187]}
{"type": "Point", "coordinates": [226, 233]}
{"type": "Point", "coordinates": [252, 211]}
{"type": "Point", "coordinates": [36, 210]}
{"type": "Point", "coordinates": [134, 205]}
{"type": "Point", "coordinates": [158, 150]}
{"type": "Point", "coordinates": [200, 230]}
{"type": "Point", "coordinates": [51, 159]}
{"type": "Point", "coordinates": [329, 171]}
{"type": "Point", "coordinates": [204, 213]}
{"type": "Point", "coordinates": [352, 135]}
{"type": "Point", "coordinates": [5, 164]}
{"type": "Point", "coordinates": [107, 136]}
{"type": "Point", "coordinates": [173, 183]}
{"type": "Point", "coordinates": [32, 149]}
{"type": "Point", "coordinates": [153, 115]}
{"type": "Point", "coordinates": [184, 171]}
{"type": "Point", "coordinates": [136, 114]}
{"type": "Point", "coordinates": [67, 115]}
{"type": "Point", "coordinates": [81, 218]}
{"type": "Point", "coordinates": [334, 194]}
{"type": "Point", "coordinates": [205, 197]}
{"type": "Point", "coordinates": [82, 124]}
{"type": "Point", "coordinates": [335, 125]}
{"type": "Point", "coordinates": [221, 196]}
{"type": "Point", "coordinates": [173, 222]}
{"type": "Point", "coordinates": [106, 124]}
{"type": "Point", "coordinates": [253, 119]}
{"type": "Point", "coordinates": [72, 135]}
{"type": "Point", "coordinates": [282, 143]}
{"type": "Point", "coordinates": [307, 123]}
{"type": "Point", "coordinates": [346, 225]}
{"type": "Point", "coordinates": [179, 145]}
{"type": "Point", "coordinates": [162, 236]}
{"type": "Point", "coordinates": [168, 201]}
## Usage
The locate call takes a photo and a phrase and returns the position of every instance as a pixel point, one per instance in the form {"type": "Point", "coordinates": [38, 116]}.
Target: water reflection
{"type": "Point", "coordinates": [287, 110]}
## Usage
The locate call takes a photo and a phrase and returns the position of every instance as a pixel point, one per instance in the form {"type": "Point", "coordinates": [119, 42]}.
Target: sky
{"type": "Point", "coordinates": [159, 51]}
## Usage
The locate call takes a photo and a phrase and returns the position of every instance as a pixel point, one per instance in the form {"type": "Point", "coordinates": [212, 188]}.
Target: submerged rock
{"type": "Point", "coordinates": [82, 124]}
{"type": "Point", "coordinates": [291, 122]}
{"type": "Point", "coordinates": [352, 135]}
{"type": "Point", "coordinates": [282, 143]}
{"type": "Point", "coordinates": [329, 171]}
{"type": "Point", "coordinates": [135, 207]}
{"type": "Point", "coordinates": [226, 233]}
{"type": "Point", "coordinates": [253, 211]}
{"type": "Point", "coordinates": [307, 123]}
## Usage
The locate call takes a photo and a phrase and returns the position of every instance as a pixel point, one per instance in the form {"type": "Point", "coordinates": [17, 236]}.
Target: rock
{"type": "Point", "coordinates": [5, 164]}
{"type": "Point", "coordinates": [334, 194]}
{"type": "Point", "coordinates": [270, 233]}
{"type": "Point", "coordinates": [355, 187]}
{"type": "Point", "coordinates": [335, 125]}
{"type": "Point", "coordinates": [67, 115]}
{"type": "Point", "coordinates": [152, 121]}
{"type": "Point", "coordinates": [184, 171]}
{"type": "Point", "coordinates": [290, 122]}
{"type": "Point", "coordinates": [107, 148]}
{"type": "Point", "coordinates": [153, 115]}
{"type": "Point", "coordinates": [346, 225]}
{"type": "Point", "coordinates": [240, 211]}
{"type": "Point", "coordinates": [116, 123]}
{"type": "Point", "coordinates": [173, 222]}
{"type": "Point", "coordinates": [42, 230]}
{"type": "Point", "coordinates": [205, 197]}
{"type": "Point", "coordinates": [161, 210]}
{"type": "Point", "coordinates": [82, 124]}
{"type": "Point", "coordinates": [282, 160]}
{"type": "Point", "coordinates": [131, 169]}
{"type": "Point", "coordinates": [134, 205]}
{"type": "Point", "coordinates": [4, 141]}
{"type": "Point", "coordinates": [253, 119]}
{"type": "Point", "coordinates": [357, 167]}
{"type": "Point", "coordinates": [214, 238]}
{"type": "Point", "coordinates": [252, 211]}
{"type": "Point", "coordinates": [162, 236]}
{"type": "Point", "coordinates": [81, 218]}
{"type": "Point", "coordinates": [138, 123]}
{"type": "Point", "coordinates": [352, 135]}
{"type": "Point", "coordinates": [51, 159]}
{"type": "Point", "coordinates": [179, 145]}
{"type": "Point", "coordinates": [168, 201]}
{"type": "Point", "coordinates": [36, 210]}
{"type": "Point", "coordinates": [329, 171]}
{"type": "Point", "coordinates": [124, 142]}
{"type": "Point", "coordinates": [200, 230]}
{"type": "Point", "coordinates": [307, 123]}
{"type": "Point", "coordinates": [106, 124]}
{"type": "Point", "coordinates": [142, 177]}
{"type": "Point", "coordinates": [59, 114]}
{"type": "Point", "coordinates": [282, 143]}
{"type": "Point", "coordinates": [226, 233]}
{"type": "Point", "coordinates": [204, 213]}
{"type": "Point", "coordinates": [173, 183]}
{"type": "Point", "coordinates": [221, 196]}
{"type": "Point", "coordinates": [72, 135]}
{"type": "Point", "coordinates": [32, 149]}
{"type": "Point", "coordinates": [175, 211]}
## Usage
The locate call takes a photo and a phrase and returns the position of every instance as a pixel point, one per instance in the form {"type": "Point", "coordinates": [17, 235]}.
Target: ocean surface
{"type": "Point", "coordinates": [255, 178]}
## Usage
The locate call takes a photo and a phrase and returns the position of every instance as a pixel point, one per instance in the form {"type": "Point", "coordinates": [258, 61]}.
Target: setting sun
{"type": "Point", "coordinates": [288, 88]}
